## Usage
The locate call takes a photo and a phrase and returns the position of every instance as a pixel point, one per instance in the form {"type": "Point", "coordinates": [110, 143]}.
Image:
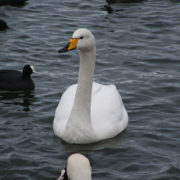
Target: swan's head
{"type": "Point", "coordinates": [78, 168]}
{"type": "Point", "coordinates": [82, 39]}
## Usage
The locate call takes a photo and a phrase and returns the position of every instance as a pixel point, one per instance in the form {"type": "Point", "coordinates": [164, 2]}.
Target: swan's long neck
{"type": "Point", "coordinates": [82, 103]}
{"type": "Point", "coordinates": [80, 114]}
{"type": "Point", "coordinates": [86, 71]}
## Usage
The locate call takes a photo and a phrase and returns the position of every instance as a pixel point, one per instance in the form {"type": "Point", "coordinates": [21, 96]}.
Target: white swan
{"type": "Point", "coordinates": [88, 111]}
{"type": "Point", "coordinates": [78, 168]}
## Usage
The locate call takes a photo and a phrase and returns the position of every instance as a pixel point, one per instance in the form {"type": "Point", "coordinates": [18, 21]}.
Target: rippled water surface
{"type": "Point", "coordinates": [138, 49]}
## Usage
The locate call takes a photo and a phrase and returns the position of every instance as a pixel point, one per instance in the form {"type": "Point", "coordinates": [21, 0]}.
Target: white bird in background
{"type": "Point", "coordinates": [88, 112]}
{"type": "Point", "coordinates": [78, 168]}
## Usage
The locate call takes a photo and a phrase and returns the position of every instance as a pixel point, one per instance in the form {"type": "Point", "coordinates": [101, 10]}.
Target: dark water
{"type": "Point", "coordinates": [138, 49]}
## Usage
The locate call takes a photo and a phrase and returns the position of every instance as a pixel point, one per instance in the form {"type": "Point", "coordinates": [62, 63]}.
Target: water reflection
{"type": "Point", "coordinates": [110, 10]}
{"type": "Point", "coordinates": [112, 143]}
{"type": "Point", "coordinates": [22, 98]}
{"type": "Point", "coordinates": [123, 1]}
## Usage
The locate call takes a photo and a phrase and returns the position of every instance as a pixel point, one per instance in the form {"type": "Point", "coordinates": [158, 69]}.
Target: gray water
{"type": "Point", "coordinates": [138, 50]}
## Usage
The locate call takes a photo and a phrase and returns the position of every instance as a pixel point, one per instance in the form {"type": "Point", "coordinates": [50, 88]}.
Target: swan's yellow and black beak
{"type": "Point", "coordinates": [70, 46]}
{"type": "Point", "coordinates": [63, 175]}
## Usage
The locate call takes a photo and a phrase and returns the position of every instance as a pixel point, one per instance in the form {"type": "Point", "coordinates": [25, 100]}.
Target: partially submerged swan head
{"type": "Point", "coordinates": [78, 168]}
{"type": "Point", "coordinates": [82, 39]}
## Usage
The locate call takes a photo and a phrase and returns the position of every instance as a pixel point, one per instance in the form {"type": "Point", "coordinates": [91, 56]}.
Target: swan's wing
{"type": "Point", "coordinates": [63, 109]}
{"type": "Point", "coordinates": [108, 114]}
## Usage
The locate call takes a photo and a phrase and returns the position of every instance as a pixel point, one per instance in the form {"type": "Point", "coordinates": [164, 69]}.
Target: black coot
{"type": "Point", "coordinates": [14, 80]}
{"type": "Point", "coordinates": [3, 25]}
{"type": "Point", "coordinates": [12, 2]}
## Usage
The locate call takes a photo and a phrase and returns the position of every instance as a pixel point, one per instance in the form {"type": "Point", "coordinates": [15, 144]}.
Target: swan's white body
{"type": "Point", "coordinates": [78, 168]}
{"type": "Point", "coordinates": [88, 111]}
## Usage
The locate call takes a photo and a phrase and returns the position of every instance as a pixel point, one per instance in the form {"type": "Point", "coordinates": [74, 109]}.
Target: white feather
{"type": "Point", "coordinates": [88, 111]}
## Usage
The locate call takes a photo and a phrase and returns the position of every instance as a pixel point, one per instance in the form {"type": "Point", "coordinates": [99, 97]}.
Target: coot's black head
{"type": "Point", "coordinates": [27, 71]}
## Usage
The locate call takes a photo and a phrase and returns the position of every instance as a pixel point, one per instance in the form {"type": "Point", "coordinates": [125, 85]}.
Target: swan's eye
{"type": "Point", "coordinates": [81, 37]}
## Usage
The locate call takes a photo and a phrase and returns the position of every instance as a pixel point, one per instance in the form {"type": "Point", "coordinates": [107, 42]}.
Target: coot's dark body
{"type": "Point", "coordinates": [12, 2]}
{"type": "Point", "coordinates": [14, 80]}
{"type": "Point", "coordinates": [3, 25]}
